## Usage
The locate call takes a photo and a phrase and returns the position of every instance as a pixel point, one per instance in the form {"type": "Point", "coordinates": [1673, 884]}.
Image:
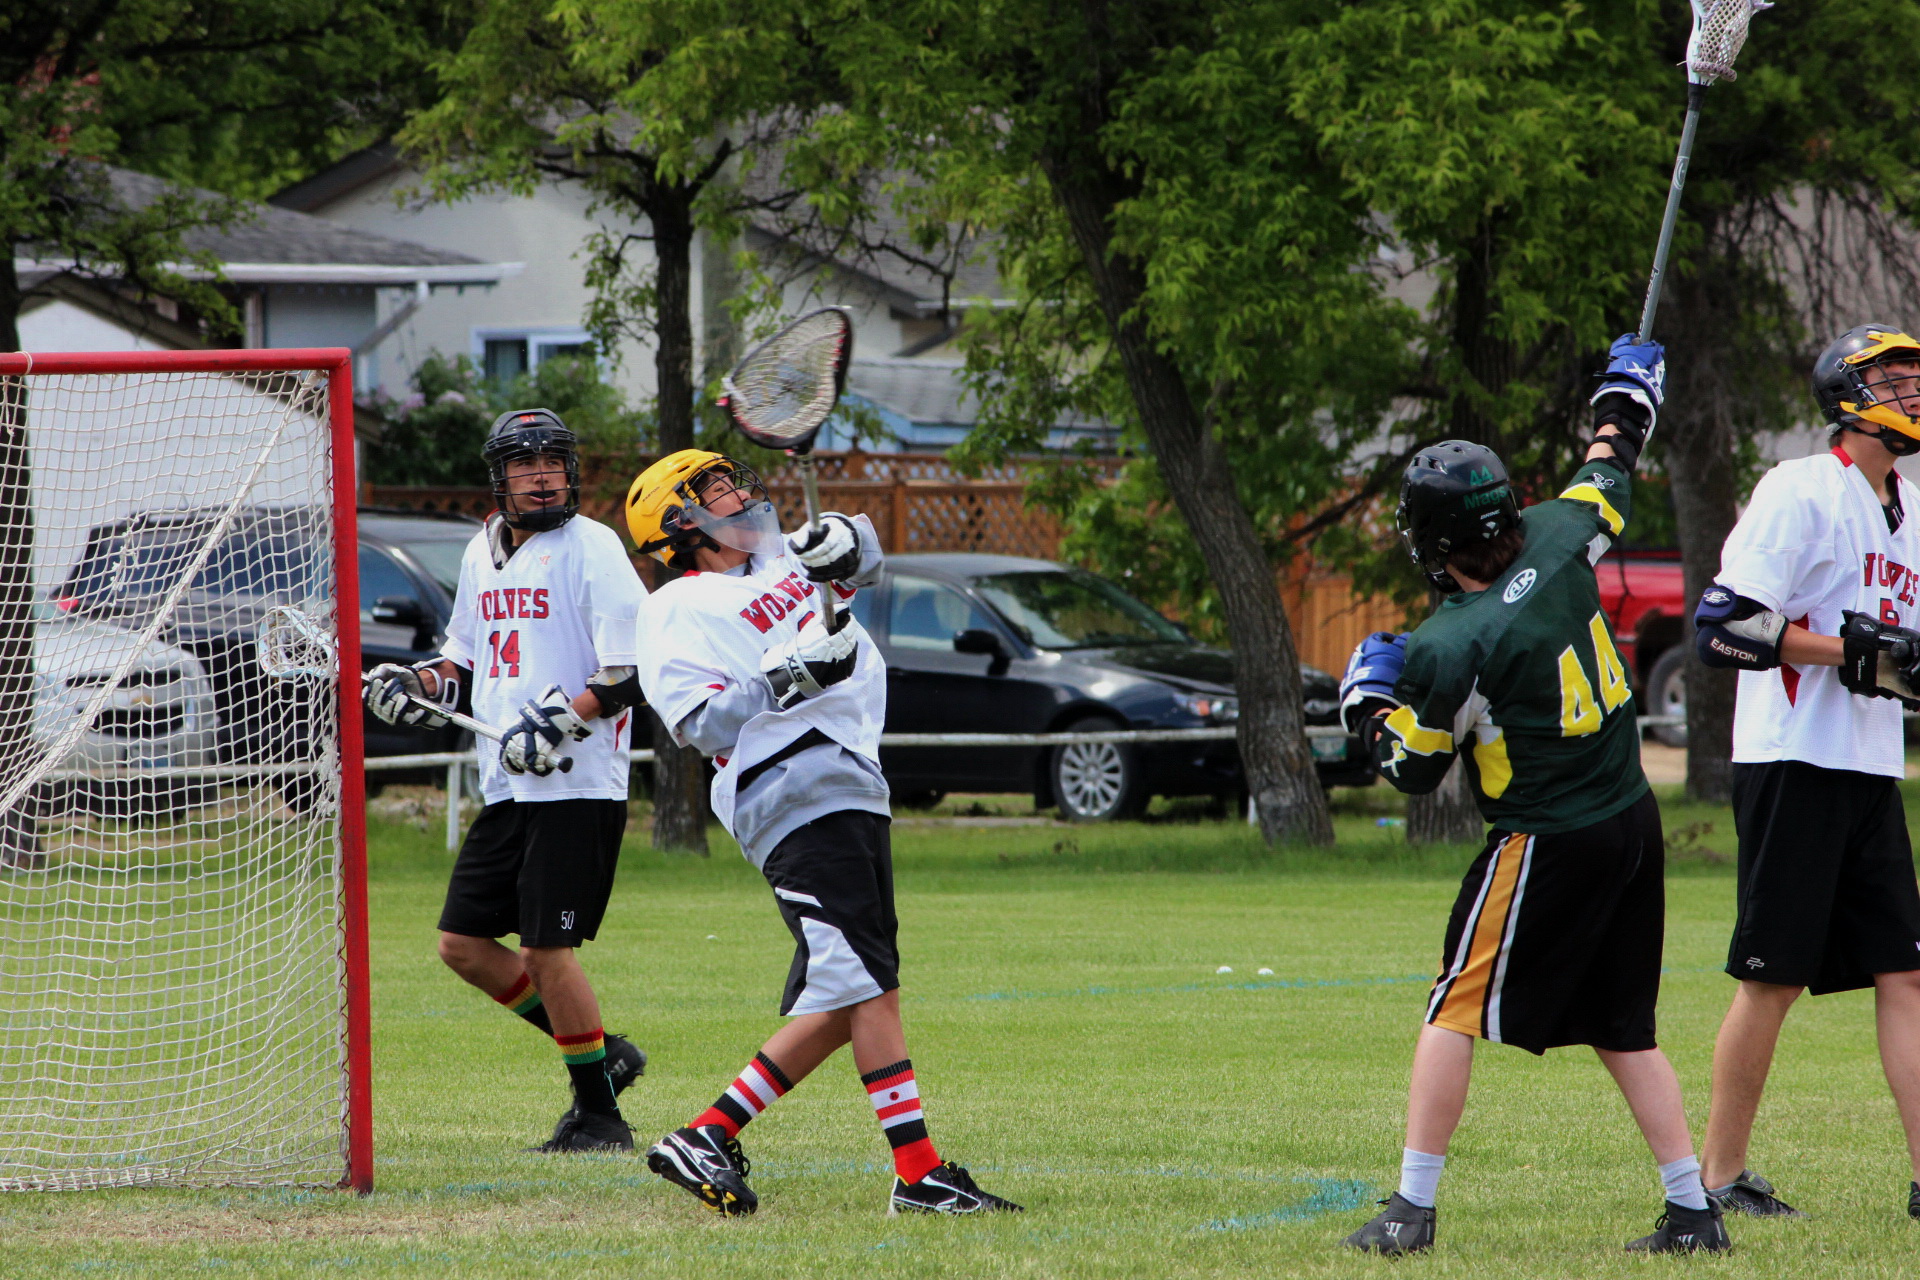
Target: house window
{"type": "Point", "coordinates": [505, 354]}
{"type": "Point", "coordinates": [504, 359]}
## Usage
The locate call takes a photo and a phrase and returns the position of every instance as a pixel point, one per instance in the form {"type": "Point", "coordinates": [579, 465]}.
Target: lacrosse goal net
{"type": "Point", "coordinates": [183, 996]}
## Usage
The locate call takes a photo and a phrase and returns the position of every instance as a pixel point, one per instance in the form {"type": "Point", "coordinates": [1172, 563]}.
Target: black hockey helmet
{"type": "Point", "coordinates": [1849, 392]}
{"type": "Point", "coordinates": [532, 433]}
{"type": "Point", "coordinates": [1455, 493]}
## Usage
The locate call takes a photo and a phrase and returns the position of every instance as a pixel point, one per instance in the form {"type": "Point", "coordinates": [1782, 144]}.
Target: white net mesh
{"type": "Point", "coordinates": [785, 388]}
{"type": "Point", "coordinates": [1719, 29]}
{"type": "Point", "coordinates": [172, 1004]}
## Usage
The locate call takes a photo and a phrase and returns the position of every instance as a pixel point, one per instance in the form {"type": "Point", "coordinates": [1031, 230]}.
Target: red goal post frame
{"type": "Point", "coordinates": [337, 363]}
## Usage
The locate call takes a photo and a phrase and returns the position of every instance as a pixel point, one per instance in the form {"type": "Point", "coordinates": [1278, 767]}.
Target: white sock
{"type": "Point", "coordinates": [1681, 1179]}
{"type": "Point", "coordinates": [1420, 1176]}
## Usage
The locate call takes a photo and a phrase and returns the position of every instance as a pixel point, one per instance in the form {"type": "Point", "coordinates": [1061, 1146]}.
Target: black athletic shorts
{"type": "Point", "coordinates": [1827, 892]}
{"type": "Point", "coordinates": [542, 869]}
{"type": "Point", "coordinates": [833, 879]}
{"type": "Point", "coordinates": [1556, 939]}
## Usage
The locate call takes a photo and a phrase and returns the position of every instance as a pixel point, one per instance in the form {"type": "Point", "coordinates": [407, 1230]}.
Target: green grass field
{"type": "Point", "coordinates": [1076, 1048]}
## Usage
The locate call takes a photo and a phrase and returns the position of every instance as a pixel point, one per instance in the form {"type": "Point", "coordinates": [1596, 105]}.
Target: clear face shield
{"type": "Point", "coordinates": [732, 508]}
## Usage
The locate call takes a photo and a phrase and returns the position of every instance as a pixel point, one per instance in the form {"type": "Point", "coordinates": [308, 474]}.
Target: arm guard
{"type": "Point", "coordinates": [617, 688]}
{"type": "Point", "coordinates": [1732, 631]}
{"type": "Point", "coordinates": [1633, 419]}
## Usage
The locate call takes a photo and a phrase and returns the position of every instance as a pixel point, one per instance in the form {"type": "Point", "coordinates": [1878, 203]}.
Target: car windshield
{"type": "Point", "coordinates": [245, 564]}
{"type": "Point", "coordinates": [1073, 609]}
{"type": "Point", "coordinates": [440, 558]}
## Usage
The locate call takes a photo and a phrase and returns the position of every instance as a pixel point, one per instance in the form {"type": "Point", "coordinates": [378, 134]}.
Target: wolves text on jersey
{"type": "Point", "coordinates": [771, 607]}
{"type": "Point", "coordinates": [1896, 577]}
{"type": "Point", "coordinates": [513, 602]}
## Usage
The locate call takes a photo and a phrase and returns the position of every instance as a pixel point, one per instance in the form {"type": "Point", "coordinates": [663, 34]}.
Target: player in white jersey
{"type": "Point", "coordinates": [541, 642]}
{"type": "Point", "coordinates": [1816, 586]}
{"type": "Point", "coordinates": [738, 660]}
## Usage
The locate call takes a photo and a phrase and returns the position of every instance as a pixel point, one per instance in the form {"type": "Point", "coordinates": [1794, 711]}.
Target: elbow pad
{"type": "Point", "coordinates": [617, 688]}
{"type": "Point", "coordinates": [1732, 631]}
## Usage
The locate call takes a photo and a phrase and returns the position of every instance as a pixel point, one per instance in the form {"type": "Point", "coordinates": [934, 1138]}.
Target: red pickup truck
{"type": "Point", "coordinates": [1645, 600]}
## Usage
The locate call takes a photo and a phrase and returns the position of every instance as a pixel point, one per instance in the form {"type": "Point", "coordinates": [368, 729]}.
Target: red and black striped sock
{"type": "Point", "coordinates": [754, 1091]}
{"type": "Point", "coordinates": [522, 999]}
{"type": "Point", "coordinates": [896, 1100]}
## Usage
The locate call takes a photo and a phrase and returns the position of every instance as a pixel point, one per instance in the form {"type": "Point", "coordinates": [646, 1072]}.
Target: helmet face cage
{"type": "Point", "coordinates": [1852, 383]}
{"type": "Point", "coordinates": [689, 525]}
{"type": "Point", "coordinates": [524, 435]}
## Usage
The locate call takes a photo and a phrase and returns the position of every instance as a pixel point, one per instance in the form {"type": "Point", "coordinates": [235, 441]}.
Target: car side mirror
{"type": "Point", "coordinates": [405, 611]}
{"type": "Point", "coordinates": [981, 640]}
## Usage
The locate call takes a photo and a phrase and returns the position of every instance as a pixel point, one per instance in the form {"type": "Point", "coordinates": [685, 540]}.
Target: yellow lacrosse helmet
{"type": "Point", "coordinates": [669, 508]}
{"type": "Point", "coordinates": [1845, 385]}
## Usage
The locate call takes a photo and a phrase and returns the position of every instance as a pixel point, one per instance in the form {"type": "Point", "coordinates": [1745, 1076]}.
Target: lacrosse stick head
{"type": "Point", "coordinates": [294, 646]}
{"type": "Point", "coordinates": [783, 391]}
{"type": "Point", "coordinates": [1719, 29]}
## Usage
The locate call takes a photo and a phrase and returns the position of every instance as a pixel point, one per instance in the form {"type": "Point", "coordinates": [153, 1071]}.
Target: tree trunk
{"type": "Point", "coordinates": [1273, 747]}
{"type": "Point", "coordinates": [19, 833]}
{"type": "Point", "coordinates": [1449, 814]}
{"type": "Point", "coordinates": [1697, 434]}
{"type": "Point", "coordinates": [679, 773]}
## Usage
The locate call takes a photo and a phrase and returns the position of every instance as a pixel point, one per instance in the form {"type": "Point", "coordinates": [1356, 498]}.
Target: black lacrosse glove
{"type": "Point", "coordinates": [1879, 660]}
{"type": "Point", "coordinates": [533, 745]}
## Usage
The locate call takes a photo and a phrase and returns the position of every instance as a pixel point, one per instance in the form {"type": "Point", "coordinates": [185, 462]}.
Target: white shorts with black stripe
{"type": "Point", "coordinates": [833, 881]}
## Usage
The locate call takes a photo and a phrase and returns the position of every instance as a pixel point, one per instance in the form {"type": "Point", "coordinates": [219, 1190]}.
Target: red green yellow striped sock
{"type": "Point", "coordinates": [586, 1058]}
{"type": "Point", "coordinates": [524, 1001]}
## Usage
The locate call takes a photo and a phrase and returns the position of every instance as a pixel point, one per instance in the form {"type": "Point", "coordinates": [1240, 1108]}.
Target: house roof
{"type": "Point", "coordinates": [269, 245]}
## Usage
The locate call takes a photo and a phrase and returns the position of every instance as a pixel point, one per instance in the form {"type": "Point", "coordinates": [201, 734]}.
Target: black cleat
{"type": "Point", "coordinates": [709, 1164]}
{"type": "Point", "coordinates": [588, 1131]}
{"type": "Point", "coordinates": [948, 1189]}
{"type": "Point", "coordinates": [1401, 1227]}
{"type": "Point", "coordinates": [1913, 1199]}
{"type": "Point", "coordinates": [626, 1062]}
{"type": "Point", "coordinates": [1752, 1195]}
{"type": "Point", "coordinates": [1684, 1230]}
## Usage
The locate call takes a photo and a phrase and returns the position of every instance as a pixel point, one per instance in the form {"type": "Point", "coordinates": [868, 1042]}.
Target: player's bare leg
{"type": "Point", "coordinates": [1437, 1095]}
{"type": "Point", "coordinates": [1742, 1055]}
{"type": "Point", "coordinates": [1896, 1011]}
{"type": "Point", "coordinates": [1652, 1091]}
{"type": "Point", "coordinates": [563, 987]}
{"type": "Point", "coordinates": [483, 963]}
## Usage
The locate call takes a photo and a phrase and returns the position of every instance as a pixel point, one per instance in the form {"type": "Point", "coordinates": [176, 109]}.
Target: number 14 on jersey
{"type": "Point", "coordinates": [505, 648]}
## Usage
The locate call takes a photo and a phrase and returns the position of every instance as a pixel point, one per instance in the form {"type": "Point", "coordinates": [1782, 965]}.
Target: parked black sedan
{"type": "Point", "coordinates": [1003, 644]}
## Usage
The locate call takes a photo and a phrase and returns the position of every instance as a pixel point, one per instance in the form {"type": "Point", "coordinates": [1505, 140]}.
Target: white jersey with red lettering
{"type": "Point", "coordinates": [705, 632]}
{"type": "Point", "coordinates": [1814, 540]}
{"type": "Point", "coordinates": [558, 609]}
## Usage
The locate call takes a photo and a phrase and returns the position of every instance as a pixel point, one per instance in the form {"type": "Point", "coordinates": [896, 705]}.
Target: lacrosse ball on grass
{"type": "Point", "coordinates": [1225, 968]}
{"type": "Point", "coordinates": [1266, 973]}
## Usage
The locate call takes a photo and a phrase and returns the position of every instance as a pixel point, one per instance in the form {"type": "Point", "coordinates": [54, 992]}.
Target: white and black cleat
{"type": "Point", "coordinates": [1684, 1230]}
{"type": "Point", "coordinates": [587, 1131]}
{"type": "Point", "coordinates": [948, 1189]}
{"type": "Point", "coordinates": [710, 1165]}
{"type": "Point", "coordinates": [1401, 1227]}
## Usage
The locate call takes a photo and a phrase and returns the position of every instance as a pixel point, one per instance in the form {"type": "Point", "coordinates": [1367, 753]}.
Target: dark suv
{"type": "Point", "coordinates": [1002, 644]}
{"type": "Point", "coordinates": [409, 565]}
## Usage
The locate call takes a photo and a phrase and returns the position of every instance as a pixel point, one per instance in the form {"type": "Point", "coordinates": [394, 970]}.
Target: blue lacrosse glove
{"type": "Point", "coordinates": [1371, 674]}
{"type": "Point", "coordinates": [1637, 369]}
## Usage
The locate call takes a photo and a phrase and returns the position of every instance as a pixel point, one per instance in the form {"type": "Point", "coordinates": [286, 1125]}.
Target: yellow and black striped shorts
{"type": "Point", "coordinates": [1555, 939]}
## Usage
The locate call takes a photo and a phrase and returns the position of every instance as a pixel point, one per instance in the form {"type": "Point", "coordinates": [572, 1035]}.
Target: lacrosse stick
{"type": "Point", "coordinates": [1719, 29]}
{"type": "Point", "coordinates": [293, 646]}
{"type": "Point", "coordinates": [783, 390]}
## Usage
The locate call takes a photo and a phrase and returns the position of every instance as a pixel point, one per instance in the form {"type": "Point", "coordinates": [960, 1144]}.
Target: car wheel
{"type": "Point", "coordinates": [917, 799]}
{"type": "Point", "coordinates": [1667, 694]}
{"type": "Point", "coordinates": [1097, 781]}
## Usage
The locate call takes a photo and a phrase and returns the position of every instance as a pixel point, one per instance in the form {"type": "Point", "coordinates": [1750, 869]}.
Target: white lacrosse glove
{"type": "Point", "coordinates": [830, 551]}
{"type": "Point", "coordinates": [390, 689]}
{"type": "Point", "coordinates": [533, 744]}
{"type": "Point", "coordinates": [804, 666]}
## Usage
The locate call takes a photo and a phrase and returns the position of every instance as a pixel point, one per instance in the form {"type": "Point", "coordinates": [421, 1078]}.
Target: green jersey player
{"type": "Point", "coordinates": [1555, 937]}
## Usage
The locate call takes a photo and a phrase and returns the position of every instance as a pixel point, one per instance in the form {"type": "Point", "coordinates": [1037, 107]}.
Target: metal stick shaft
{"type": "Point", "coordinates": [810, 486]}
{"type": "Point", "coordinates": [479, 728]}
{"type": "Point", "coordinates": [1696, 94]}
